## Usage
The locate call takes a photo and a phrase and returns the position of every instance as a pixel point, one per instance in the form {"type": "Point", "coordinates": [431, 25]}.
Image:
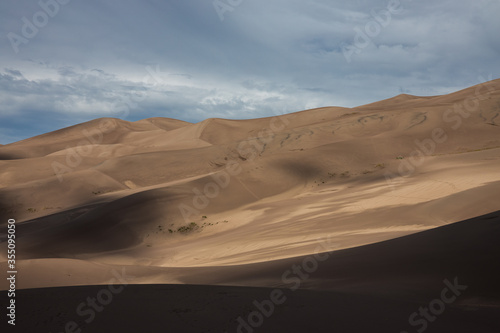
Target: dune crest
{"type": "Point", "coordinates": [162, 193]}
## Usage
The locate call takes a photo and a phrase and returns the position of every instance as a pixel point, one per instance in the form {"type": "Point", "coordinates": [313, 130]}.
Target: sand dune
{"type": "Point", "coordinates": [236, 202]}
{"type": "Point", "coordinates": [382, 283]}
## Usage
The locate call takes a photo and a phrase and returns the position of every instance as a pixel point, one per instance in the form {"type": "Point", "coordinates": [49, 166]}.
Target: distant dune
{"type": "Point", "coordinates": [378, 189]}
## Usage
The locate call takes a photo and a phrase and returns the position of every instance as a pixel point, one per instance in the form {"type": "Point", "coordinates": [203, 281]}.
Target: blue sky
{"type": "Point", "coordinates": [63, 62]}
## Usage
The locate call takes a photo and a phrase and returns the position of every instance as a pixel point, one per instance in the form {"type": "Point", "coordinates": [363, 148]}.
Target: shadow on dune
{"type": "Point", "coordinates": [410, 266]}
{"type": "Point", "coordinates": [6, 211]}
{"type": "Point", "coordinates": [374, 288]}
{"type": "Point", "coordinates": [301, 170]}
{"type": "Point", "coordinates": [94, 228]}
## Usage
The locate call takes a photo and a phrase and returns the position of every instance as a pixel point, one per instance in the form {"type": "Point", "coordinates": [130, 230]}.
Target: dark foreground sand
{"type": "Point", "coordinates": [191, 308]}
{"type": "Point", "coordinates": [373, 288]}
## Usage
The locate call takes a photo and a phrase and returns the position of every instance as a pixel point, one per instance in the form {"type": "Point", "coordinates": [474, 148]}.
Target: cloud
{"type": "Point", "coordinates": [13, 72]}
{"type": "Point", "coordinates": [264, 58]}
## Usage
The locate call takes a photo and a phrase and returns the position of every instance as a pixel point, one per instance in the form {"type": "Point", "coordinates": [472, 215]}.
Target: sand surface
{"type": "Point", "coordinates": [380, 188]}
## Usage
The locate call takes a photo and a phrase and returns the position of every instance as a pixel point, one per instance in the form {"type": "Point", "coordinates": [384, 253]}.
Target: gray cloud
{"type": "Point", "coordinates": [177, 59]}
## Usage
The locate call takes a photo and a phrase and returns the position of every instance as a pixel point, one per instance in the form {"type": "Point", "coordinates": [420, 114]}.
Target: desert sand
{"type": "Point", "coordinates": [379, 204]}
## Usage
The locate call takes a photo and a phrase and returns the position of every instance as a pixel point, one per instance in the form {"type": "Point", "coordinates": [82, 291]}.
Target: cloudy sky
{"type": "Point", "coordinates": [63, 62]}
